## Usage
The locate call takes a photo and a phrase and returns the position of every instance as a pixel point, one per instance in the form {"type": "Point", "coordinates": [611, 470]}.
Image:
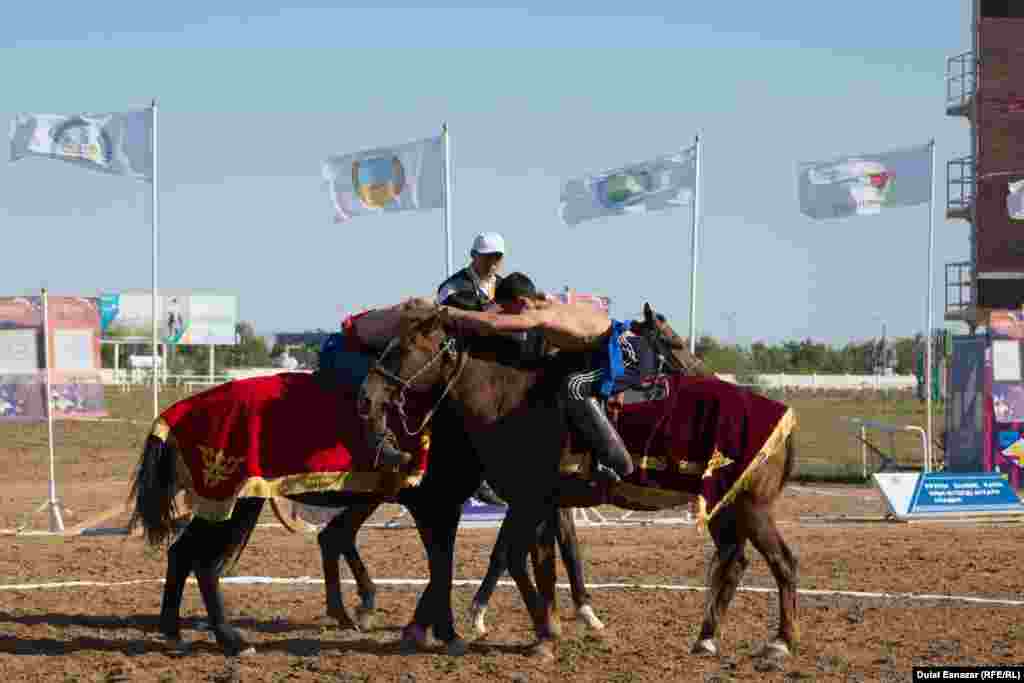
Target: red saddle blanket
{"type": "Point", "coordinates": [703, 441]}
{"type": "Point", "coordinates": [278, 435]}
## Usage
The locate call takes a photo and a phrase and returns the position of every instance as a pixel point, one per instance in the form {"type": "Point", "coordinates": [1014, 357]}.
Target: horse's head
{"type": "Point", "coordinates": [670, 347]}
{"type": "Point", "coordinates": [423, 356]}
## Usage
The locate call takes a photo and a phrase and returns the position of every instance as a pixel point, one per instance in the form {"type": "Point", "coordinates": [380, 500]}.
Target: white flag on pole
{"type": "Point", "coordinates": [117, 143]}
{"type": "Point", "coordinates": [398, 178]}
{"type": "Point", "coordinates": [862, 185]}
{"type": "Point", "coordinates": [660, 184]}
{"type": "Point", "coordinates": [1015, 201]}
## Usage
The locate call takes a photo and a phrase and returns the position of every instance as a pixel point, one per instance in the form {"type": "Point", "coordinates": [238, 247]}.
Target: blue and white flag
{"type": "Point", "coordinates": [660, 184]}
{"type": "Point", "coordinates": [865, 184]}
{"type": "Point", "coordinates": [118, 143]}
{"type": "Point", "coordinates": [399, 178]}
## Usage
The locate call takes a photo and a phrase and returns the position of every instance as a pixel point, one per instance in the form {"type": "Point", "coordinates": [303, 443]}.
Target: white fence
{"type": "Point", "coordinates": [852, 382]}
{"type": "Point", "coordinates": [775, 381]}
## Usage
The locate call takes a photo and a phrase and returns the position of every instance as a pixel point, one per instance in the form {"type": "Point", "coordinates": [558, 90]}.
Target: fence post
{"type": "Point", "coordinates": [864, 451]}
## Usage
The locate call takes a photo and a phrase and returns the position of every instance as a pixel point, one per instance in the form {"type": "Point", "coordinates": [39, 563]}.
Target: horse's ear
{"type": "Point", "coordinates": [648, 315]}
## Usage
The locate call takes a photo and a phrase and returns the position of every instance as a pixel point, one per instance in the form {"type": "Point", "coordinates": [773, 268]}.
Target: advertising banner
{"type": "Point", "coordinates": [74, 355]}
{"type": "Point", "coordinates": [185, 319]}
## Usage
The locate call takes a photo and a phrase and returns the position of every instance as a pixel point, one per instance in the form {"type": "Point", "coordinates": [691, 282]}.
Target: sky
{"type": "Point", "coordinates": [253, 98]}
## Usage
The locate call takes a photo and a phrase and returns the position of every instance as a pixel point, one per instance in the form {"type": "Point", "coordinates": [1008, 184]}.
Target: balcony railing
{"type": "Point", "coordinates": [959, 187]}
{"type": "Point", "coordinates": [958, 289]}
{"type": "Point", "coordinates": [961, 82]}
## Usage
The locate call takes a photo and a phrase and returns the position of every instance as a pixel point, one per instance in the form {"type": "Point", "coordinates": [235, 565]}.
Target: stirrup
{"type": "Point", "coordinates": [602, 472]}
{"type": "Point", "coordinates": [389, 457]}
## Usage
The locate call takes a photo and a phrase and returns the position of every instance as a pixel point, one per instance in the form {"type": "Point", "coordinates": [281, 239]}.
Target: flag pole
{"type": "Point", "coordinates": [928, 335]}
{"type": "Point", "coordinates": [693, 249]}
{"type": "Point", "coordinates": [155, 224]}
{"type": "Point", "coordinates": [56, 522]}
{"type": "Point", "coordinates": [447, 202]}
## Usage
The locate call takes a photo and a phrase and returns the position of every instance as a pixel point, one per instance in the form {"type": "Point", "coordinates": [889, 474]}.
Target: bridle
{"type": "Point", "coordinates": [449, 347]}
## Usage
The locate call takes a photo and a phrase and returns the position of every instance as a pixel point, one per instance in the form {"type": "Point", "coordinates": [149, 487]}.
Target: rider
{"type": "Point", "coordinates": [619, 360]}
{"type": "Point", "coordinates": [473, 289]}
{"type": "Point", "coordinates": [478, 281]}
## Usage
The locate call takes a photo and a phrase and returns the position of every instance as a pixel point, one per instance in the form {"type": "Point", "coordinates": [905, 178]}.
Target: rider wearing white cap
{"type": "Point", "coordinates": [473, 286]}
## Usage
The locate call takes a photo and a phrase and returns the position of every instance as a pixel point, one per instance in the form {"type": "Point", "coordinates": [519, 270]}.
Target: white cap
{"type": "Point", "coordinates": [488, 243]}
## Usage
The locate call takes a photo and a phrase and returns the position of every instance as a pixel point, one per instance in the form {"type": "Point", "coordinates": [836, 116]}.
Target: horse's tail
{"type": "Point", "coordinates": [154, 486]}
{"type": "Point", "coordinates": [787, 471]}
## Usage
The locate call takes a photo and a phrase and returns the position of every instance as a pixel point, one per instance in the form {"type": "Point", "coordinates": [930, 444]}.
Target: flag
{"type": "Point", "coordinates": [1015, 201]}
{"type": "Point", "coordinates": [657, 185]}
{"type": "Point", "coordinates": [398, 178]}
{"type": "Point", "coordinates": [865, 184]}
{"type": "Point", "coordinates": [118, 143]}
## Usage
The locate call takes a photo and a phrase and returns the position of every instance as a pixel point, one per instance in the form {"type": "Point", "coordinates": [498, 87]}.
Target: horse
{"type": "Point", "coordinates": [206, 547]}
{"type": "Point", "coordinates": [512, 411]}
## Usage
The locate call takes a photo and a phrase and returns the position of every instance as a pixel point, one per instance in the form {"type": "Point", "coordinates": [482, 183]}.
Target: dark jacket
{"type": "Point", "coordinates": [461, 291]}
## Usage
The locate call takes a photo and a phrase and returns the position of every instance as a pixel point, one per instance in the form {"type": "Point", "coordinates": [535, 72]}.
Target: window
{"type": "Point", "coordinates": [1002, 9]}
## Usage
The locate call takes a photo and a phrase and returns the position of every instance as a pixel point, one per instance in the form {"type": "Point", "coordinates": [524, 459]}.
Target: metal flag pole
{"type": "Point", "coordinates": [447, 201]}
{"type": "Point", "coordinates": [155, 222]}
{"type": "Point", "coordinates": [693, 250]}
{"type": "Point", "coordinates": [928, 333]}
{"type": "Point", "coordinates": [56, 522]}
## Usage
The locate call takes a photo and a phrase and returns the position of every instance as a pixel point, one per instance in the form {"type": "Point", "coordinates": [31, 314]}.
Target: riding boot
{"type": "Point", "coordinates": [611, 455]}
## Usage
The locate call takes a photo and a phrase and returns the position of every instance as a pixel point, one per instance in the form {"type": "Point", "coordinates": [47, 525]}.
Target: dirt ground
{"type": "Point", "coordinates": [108, 632]}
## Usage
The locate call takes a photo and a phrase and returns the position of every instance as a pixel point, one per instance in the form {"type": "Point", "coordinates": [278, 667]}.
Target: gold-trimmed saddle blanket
{"type": "Point", "coordinates": [702, 441]}
{"type": "Point", "coordinates": [278, 435]}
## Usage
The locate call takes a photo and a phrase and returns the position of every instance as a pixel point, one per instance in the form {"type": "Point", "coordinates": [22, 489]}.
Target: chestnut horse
{"type": "Point", "coordinates": [517, 428]}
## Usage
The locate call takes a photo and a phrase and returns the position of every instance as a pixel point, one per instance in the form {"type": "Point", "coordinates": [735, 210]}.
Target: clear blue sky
{"type": "Point", "coordinates": [254, 97]}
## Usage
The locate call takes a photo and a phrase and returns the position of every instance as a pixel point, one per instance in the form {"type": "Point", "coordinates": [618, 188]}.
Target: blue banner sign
{"type": "Point", "coordinates": [910, 495]}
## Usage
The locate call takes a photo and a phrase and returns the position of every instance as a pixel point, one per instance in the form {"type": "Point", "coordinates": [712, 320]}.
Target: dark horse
{"type": "Point", "coordinates": [510, 412]}
{"type": "Point", "coordinates": [206, 547]}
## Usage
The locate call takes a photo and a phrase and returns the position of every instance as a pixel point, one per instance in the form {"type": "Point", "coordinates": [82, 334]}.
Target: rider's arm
{"type": "Point", "coordinates": [496, 323]}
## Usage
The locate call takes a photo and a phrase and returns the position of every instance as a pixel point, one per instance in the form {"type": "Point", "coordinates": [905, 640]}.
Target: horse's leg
{"type": "Point", "coordinates": [523, 526]}
{"type": "Point", "coordinates": [496, 567]}
{"type": "Point", "coordinates": [221, 539]}
{"type": "Point", "coordinates": [180, 558]}
{"type": "Point", "coordinates": [337, 538]}
{"type": "Point", "coordinates": [764, 534]}
{"type": "Point", "coordinates": [543, 556]}
{"type": "Point", "coordinates": [572, 558]}
{"type": "Point", "coordinates": [723, 576]}
{"type": "Point", "coordinates": [438, 523]}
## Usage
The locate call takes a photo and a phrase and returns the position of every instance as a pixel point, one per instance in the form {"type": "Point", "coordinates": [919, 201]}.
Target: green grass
{"type": "Point", "coordinates": [826, 447]}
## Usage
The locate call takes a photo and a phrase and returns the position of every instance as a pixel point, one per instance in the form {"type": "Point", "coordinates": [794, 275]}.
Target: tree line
{"type": "Point", "coordinates": [791, 357]}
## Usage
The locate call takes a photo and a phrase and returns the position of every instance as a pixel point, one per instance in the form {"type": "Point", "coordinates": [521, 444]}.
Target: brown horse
{"type": "Point", "coordinates": [518, 428]}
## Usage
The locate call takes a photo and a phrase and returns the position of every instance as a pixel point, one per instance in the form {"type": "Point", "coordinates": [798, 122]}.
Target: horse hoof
{"type": "Point", "coordinates": [177, 644]}
{"type": "Point", "coordinates": [705, 648]}
{"type": "Point", "coordinates": [457, 647]}
{"type": "Point", "coordinates": [476, 616]}
{"type": "Point", "coordinates": [414, 638]}
{"type": "Point", "coordinates": [364, 619]}
{"type": "Point", "coordinates": [776, 649]}
{"type": "Point", "coordinates": [586, 614]}
{"type": "Point", "coordinates": [542, 651]}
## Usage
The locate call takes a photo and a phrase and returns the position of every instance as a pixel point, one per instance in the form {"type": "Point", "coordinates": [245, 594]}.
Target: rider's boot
{"type": "Point", "coordinates": [612, 460]}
